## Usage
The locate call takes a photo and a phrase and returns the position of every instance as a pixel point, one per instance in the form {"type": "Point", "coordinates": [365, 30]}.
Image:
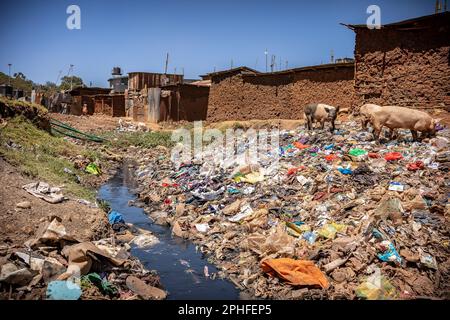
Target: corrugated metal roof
{"type": "Point", "coordinates": [248, 72]}
{"type": "Point", "coordinates": [308, 68]}
{"type": "Point", "coordinates": [242, 68]}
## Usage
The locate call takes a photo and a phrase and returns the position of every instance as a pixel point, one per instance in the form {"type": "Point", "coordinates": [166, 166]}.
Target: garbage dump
{"type": "Point", "coordinates": [56, 266]}
{"type": "Point", "coordinates": [339, 217]}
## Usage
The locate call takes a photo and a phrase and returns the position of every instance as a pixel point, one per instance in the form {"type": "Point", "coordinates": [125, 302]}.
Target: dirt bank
{"type": "Point", "coordinates": [18, 225]}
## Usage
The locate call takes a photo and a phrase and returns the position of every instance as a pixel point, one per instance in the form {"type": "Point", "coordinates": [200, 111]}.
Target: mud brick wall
{"type": "Point", "coordinates": [282, 96]}
{"type": "Point", "coordinates": [408, 68]}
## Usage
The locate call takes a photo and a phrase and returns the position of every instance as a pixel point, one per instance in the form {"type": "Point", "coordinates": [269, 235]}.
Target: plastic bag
{"type": "Point", "coordinates": [389, 254]}
{"type": "Point", "coordinates": [329, 230]}
{"type": "Point", "coordinates": [357, 152]}
{"type": "Point", "coordinates": [92, 168]}
{"type": "Point", "coordinates": [376, 288]}
{"type": "Point", "coordinates": [115, 217]}
{"type": "Point", "coordinates": [392, 156]}
{"type": "Point", "coordinates": [418, 165]}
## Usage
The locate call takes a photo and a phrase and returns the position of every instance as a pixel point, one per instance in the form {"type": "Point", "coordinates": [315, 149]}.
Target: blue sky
{"type": "Point", "coordinates": [198, 34]}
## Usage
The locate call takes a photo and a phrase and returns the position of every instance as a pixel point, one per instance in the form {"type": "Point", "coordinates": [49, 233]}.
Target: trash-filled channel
{"type": "Point", "coordinates": [180, 266]}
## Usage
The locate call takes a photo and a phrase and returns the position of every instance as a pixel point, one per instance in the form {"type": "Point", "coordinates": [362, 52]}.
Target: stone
{"type": "Point", "coordinates": [24, 205]}
{"type": "Point", "coordinates": [143, 290]}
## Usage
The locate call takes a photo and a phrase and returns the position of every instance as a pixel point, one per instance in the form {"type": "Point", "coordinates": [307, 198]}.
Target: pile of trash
{"type": "Point", "coordinates": [340, 217]}
{"type": "Point", "coordinates": [56, 266]}
{"type": "Point", "coordinates": [127, 126]}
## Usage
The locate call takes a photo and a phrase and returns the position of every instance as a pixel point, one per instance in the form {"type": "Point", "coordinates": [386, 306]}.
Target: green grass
{"type": "Point", "coordinates": [44, 157]}
{"type": "Point", "coordinates": [23, 104]}
{"type": "Point", "coordinates": [138, 139]}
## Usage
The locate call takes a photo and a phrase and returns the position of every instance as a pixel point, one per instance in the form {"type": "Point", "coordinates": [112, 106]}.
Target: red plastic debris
{"type": "Point", "coordinates": [300, 145]}
{"type": "Point", "coordinates": [292, 171]}
{"type": "Point", "coordinates": [320, 195]}
{"type": "Point", "coordinates": [373, 155]}
{"type": "Point", "coordinates": [166, 185]}
{"type": "Point", "coordinates": [392, 156]}
{"type": "Point", "coordinates": [418, 165]}
{"type": "Point", "coordinates": [330, 157]}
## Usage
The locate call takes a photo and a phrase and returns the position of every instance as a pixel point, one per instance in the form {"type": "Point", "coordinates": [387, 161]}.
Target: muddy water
{"type": "Point", "coordinates": [179, 265]}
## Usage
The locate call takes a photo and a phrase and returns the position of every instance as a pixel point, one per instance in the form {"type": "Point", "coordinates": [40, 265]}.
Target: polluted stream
{"type": "Point", "coordinates": [179, 265]}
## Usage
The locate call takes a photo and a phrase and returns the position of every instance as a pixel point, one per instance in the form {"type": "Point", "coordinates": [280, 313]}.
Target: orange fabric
{"type": "Point", "coordinates": [295, 272]}
{"type": "Point", "coordinates": [300, 145]}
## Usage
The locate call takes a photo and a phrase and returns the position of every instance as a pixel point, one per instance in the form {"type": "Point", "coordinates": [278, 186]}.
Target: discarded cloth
{"type": "Point", "coordinates": [295, 272]}
{"type": "Point", "coordinates": [43, 191]}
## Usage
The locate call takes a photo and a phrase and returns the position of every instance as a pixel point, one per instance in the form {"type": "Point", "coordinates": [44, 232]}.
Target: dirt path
{"type": "Point", "coordinates": [19, 225]}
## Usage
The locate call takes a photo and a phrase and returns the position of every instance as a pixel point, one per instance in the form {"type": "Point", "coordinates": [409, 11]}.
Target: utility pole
{"type": "Point", "coordinates": [272, 63]}
{"type": "Point", "coordinates": [167, 62]}
{"type": "Point", "coordinates": [175, 70]}
{"type": "Point", "coordinates": [266, 53]}
{"type": "Point", "coordinates": [57, 78]}
{"type": "Point", "coordinates": [332, 56]}
{"type": "Point", "coordinates": [279, 65]}
{"type": "Point", "coordinates": [9, 73]}
{"type": "Point", "coordinates": [231, 64]}
{"type": "Point", "coordinates": [438, 6]}
{"type": "Point", "coordinates": [286, 64]}
{"type": "Point", "coordinates": [182, 71]}
{"type": "Point", "coordinates": [71, 77]}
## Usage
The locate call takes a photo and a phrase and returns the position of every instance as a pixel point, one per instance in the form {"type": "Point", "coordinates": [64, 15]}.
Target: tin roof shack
{"type": "Point", "coordinates": [109, 104]}
{"type": "Point", "coordinates": [143, 94]}
{"type": "Point", "coordinates": [82, 95]}
{"type": "Point", "coordinates": [184, 101]}
{"type": "Point", "coordinates": [6, 90]}
{"type": "Point", "coordinates": [139, 80]}
{"type": "Point", "coordinates": [245, 94]}
{"type": "Point", "coordinates": [405, 63]}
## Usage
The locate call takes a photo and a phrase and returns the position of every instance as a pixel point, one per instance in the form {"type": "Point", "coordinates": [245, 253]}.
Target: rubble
{"type": "Point", "coordinates": [347, 205]}
{"type": "Point", "coordinates": [55, 265]}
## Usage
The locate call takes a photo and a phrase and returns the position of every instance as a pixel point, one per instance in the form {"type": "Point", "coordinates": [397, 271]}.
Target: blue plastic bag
{"type": "Point", "coordinates": [63, 290]}
{"type": "Point", "coordinates": [390, 255]}
{"type": "Point", "coordinates": [345, 171]}
{"type": "Point", "coordinates": [115, 217]}
{"type": "Point", "coordinates": [310, 237]}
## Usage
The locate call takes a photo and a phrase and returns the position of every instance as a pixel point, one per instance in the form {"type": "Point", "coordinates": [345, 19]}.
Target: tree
{"type": "Point", "coordinates": [49, 88]}
{"type": "Point", "coordinates": [65, 82]}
